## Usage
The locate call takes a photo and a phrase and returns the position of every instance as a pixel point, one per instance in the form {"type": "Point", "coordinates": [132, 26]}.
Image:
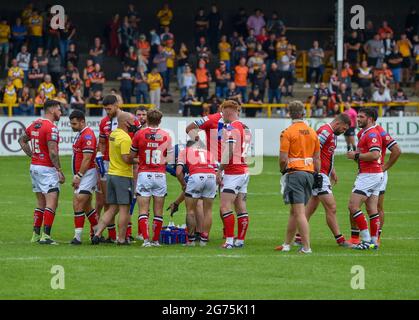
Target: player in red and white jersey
{"type": "Point", "coordinates": [153, 147]}
{"type": "Point", "coordinates": [328, 134]}
{"type": "Point", "coordinates": [108, 124]}
{"type": "Point", "coordinates": [236, 141]}
{"type": "Point", "coordinates": [40, 143]}
{"type": "Point", "coordinates": [201, 184]}
{"type": "Point", "coordinates": [85, 175]}
{"type": "Point", "coordinates": [368, 182]}
{"type": "Point", "coordinates": [387, 143]}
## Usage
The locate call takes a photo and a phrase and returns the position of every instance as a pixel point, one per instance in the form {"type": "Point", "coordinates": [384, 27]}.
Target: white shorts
{"type": "Point", "coordinates": [44, 179]}
{"type": "Point", "coordinates": [88, 183]}
{"type": "Point", "coordinates": [368, 184]}
{"type": "Point", "coordinates": [235, 183]}
{"type": "Point", "coordinates": [326, 187]}
{"type": "Point", "coordinates": [105, 176]}
{"type": "Point", "coordinates": [201, 185]}
{"type": "Point", "coordinates": [151, 184]}
{"type": "Point", "coordinates": [383, 186]}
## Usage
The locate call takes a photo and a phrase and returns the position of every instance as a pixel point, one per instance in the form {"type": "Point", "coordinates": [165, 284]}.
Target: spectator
{"type": "Point", "coordinates": [47, 87]}
{"type": "Point", "coordinates": [132, 14]}
{"type": "Point", "coordinates": [241, 72]}
{"type": "Point", "coordinates": [126, 80]}
{"type": "Point", "coordinates": [155, 83]}
{"type": "Point", "coordinates": [55, 66]}
{"type": "Point", "coordinates": [259, 80]}
{"type": "Point", "coordinates": [270, 48]}
{"type": "Point", "coordinates": [412, 23]}
{"type": "Point", "coordinates": [5, 32]}
{"type": "Point", "coordinates": [201, 25]}
{"type": "Point", "coordinates": [160, 61]}
{"type": "Point", "coordinates": [26, 107]}
{"type": "Point", "coordinates": [405, 47]}
{"type": "Point", "coordinates": [365, 78]}
{"type": "Point", "coordinates": [251, 42]}
{"type": "Point", "coordinates": [19, 36]}
{"type": "Point", "coordinates": [16, 74]}
{"type": "Point", "coordinates": [186, 102]}
{"type": "Point", "coordinates": [389, 45]}
{"type": "Point", "coordinates": [154, 43]}
{"type": "Point", "coordinates": [10, 94]}
{"type": "Point", "coordinates": [255, 62]}
{"type": "Point", "coordinates": [344, 94]}
{"type": "Point", "coordinates": [369, 32]}
{"type": "Point", "coordinates": [26, 13]}
{"type": "Point", "coordinates": [167, 37]}
{"type": "Point", "coordinates": [112, 33]}
{"type": "Point", "coordinates": [321, 100]}
{"type": "Point", "coordinates": [256, 22]}
{"type": "Point", "coordinates": [96, 99]}
{"type": "Point", "coordinates": [40, 99]}
{"type": "Point", "coordinates": [347, 74]}
{"type": "Point", "coordinates": [375, 51]}
{"type": "Point", "coordinates": [72, 55]}
{"type": "Point", "coordinates": [187, 81]}
{"type": "Point", "coordinates": [126, 36]}
{"type": "Point", "coordinates": [287, 68]}
{"type": "Point", "coordinates": [239, 50]}
{"type": "Point", "coordinates": [98, 78]}
{"type": "Point", "coordinates": [352, 49]}
{"type": "Point", "coordinates": [35, 76]}
{"type": "Point", "coordinates": [141, 86]}
{"type": "Point", "coordinates": [240, 22]}
{"type": "Point", "coordinates": [51, 34]}
{"type": "Point", "coordinates": [131, 58]}
{"type": "Point", "coordinates": [417, 75]}
{"type": "Point", "coordinates": [96, 53]}
{"type": "Point", "coordinates": [202, 50]}
{"type": "Point", "coordinates": [42, 59]}
{"type": "Point", "coordinates": [215, 24]}
{"type": "Point", "coordinates": [262, 37]}
{"type": "Point", "coordinates": [165, 16]}
{"type": "Point", "coordinates": [66, 37]}
{"type": "Point", "coordinates": [182, 60]}
{"type": "Point", "coordinates": [77, 102]}
{"type": "Point", "coordinates": [382, 95]}
{"type": "Point", "coordinates": [359, 97]}
{"type": "Point", "coordinates": [222, 78]}
{"type": "Point", "coordinates": [170, 54]}
{"type": "Point", "coordinates": [275, 25]}
{"type": "Point", "coordinates": [400, 97]}
{"type": "Point", "coordinates": [316, 56]}
{"type": "Point", "coordinates": [203, 79]}
{"type": "Point", "coordinates": [225, 49]}
{"type": "Point", "coordinates": [23, 60]}
{"type": "Point", "coordinates": [61, 98]}
{"type": "Point", "coordinates": [212, 106]}
{"type": "Point", "coordinates": [385, 30]}
{"type": "Point", "coordinates": [394, 62]}
{"type": "Point", "coordinates": [233, 93]}
{"type": "Point", "coordinates": [383, 76]}
{"type": "Point", "coordinates": [255, 97]}
{"type": "Point", "coordinates": [35, 26]}
{"type": "Point", "coordinates": [275, 82]}
{"type": "Point", "coordinates": [74, 84]}
{"type": "Point", "coordinates": [334, 82]}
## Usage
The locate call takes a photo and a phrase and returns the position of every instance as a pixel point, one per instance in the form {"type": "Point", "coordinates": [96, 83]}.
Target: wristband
{"type": "Point", "coordinates": [80, 175]}
{"type": "Point", "coordinates": [357, 156]}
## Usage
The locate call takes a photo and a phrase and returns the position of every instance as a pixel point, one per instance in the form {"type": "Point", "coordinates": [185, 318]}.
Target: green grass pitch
{"type": "Point", "coordinates": [176, 272]}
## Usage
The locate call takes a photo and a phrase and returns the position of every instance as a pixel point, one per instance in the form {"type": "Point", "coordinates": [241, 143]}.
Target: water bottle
{"type": "Point", "coordinates": [100, 164]}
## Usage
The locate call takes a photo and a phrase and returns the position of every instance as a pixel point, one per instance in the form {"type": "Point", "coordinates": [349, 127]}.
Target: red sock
{"type": "Point", "coordinates": [340, 239]}
{"type": "Point", "coordinates": [112, 231]}
{"type": "Point", "coordinates": [297, 237]}
{"type": "Point", "coordinates": [143, 226]}
{"type": "Point", "coordinates": [49, 216]}
{"type": "Point", "coordinates": [79, 220]}
{"type": "Point", "coordinates": [129, 230]}
{"type": "Point", "coordinates": [360, 220]}
{"type": "Point", "coordinates": [375, 225]}
{"type": "Point", "coordinates": [93, 219]}
{"type": "Point", "coordinates": [228, 219]}
{"type": "Point", "coordinates": [224, 229]}
{"type": "Point", "coordinates": [38, 218]}
{"type": "Point", "coordinates": [157, 225]}
{"type": "Point", "coordinates": [243, 224]}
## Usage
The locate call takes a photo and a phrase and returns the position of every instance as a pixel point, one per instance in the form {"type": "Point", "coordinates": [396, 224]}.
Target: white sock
{"type": "Point", "coordinates": [230, 241]}
{"type": "Point", "coordinates": [365, 235]}
{"type": "Point", "coordinates": [77, 233]}
{"type": "Point", "coordinates": [374, 240]}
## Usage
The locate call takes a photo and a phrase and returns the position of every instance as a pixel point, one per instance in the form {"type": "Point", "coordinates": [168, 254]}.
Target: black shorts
{"type": "Point", "coordinates": [406, 63]}
{"type": "Point", "coordinates": [350, 132]}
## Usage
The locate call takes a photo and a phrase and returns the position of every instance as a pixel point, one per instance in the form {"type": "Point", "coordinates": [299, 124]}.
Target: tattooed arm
{"type": "Point", "coordinates": [55, 159]}
{"type": "Point", "coordinates": [24, 143]}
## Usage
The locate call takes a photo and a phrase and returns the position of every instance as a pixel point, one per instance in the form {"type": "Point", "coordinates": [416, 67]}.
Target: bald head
{"type": "Point", "coordinates": [125, 120]}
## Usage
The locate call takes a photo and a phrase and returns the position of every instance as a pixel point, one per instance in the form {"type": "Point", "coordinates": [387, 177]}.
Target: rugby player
{"type": "Point", "coordinates": [85, 175]}
{"type": "Point", "coordinates": [153, 147]}
{"type": "Point", "coordinates": [201, 184]}
{"type": "Point", "coordinates": [40, 142]}
{"type": "Point", "coordinates": [369, 180]}
{"type": "Point", "coordinates": [235, 139]}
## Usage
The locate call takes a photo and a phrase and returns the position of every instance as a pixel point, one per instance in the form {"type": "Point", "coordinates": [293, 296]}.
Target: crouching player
{"type": "Point", "coordinates": [369, 180]}
{"type": "Point", "coordinates": [153, 147]}
{"type": "Point", "coordinates": [85, 176]}
{"type": "Point", "coordinates": [201, 185]}
{"type": "Point", "coordinates": [236, 137]}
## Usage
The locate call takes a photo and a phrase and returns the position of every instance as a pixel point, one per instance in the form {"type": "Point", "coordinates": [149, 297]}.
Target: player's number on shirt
{"type": "Point", "coordinates": [35, 145]}
{"type": "Point", "coordinates": [153, 156]}
{"type": "Point", "coordinates": [202, 157]}
{"type": "Point", "coordinates": [246, 147]}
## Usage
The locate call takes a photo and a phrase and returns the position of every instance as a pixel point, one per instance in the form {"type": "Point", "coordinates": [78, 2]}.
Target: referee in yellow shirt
{"type": "Point", "coordinates": [120, 187]}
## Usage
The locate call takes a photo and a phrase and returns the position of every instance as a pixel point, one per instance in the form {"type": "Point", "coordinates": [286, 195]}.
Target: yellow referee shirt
{"type": "Point", "coordinates": [119, 144]}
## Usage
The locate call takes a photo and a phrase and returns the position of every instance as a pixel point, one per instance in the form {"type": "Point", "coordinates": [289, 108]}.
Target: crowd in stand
{"type": "Point", "coordinates": [254, 64]}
